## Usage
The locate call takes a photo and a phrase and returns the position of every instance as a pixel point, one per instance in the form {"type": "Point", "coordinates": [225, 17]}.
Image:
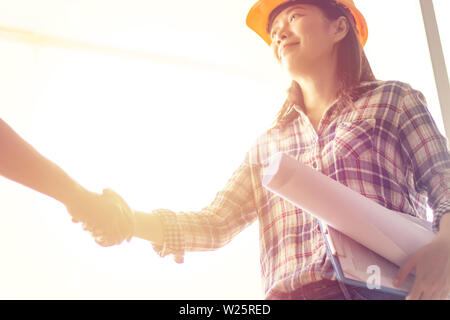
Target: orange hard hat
{"type": "Point", "coordinates": [258, 17]}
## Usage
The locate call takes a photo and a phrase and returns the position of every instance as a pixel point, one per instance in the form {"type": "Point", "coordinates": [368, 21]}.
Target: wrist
{"type": "Point", "coordinates": [149, 227]}
{"type": "Point", "coordinates": [75, 196]}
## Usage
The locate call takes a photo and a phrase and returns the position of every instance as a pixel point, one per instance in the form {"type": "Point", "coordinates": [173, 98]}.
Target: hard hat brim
{"type": "Point", "coordinates": [258, 17]}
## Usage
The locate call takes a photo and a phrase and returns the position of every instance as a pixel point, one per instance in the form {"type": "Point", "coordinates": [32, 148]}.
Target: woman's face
{"type": "Point", "coordinates": [302, 38]}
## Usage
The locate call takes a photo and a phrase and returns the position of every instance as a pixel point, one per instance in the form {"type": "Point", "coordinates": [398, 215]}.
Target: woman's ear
{"type": "Point", "coordinates": [340, 28]}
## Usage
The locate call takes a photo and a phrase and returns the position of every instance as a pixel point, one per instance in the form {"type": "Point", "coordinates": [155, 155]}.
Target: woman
{"type": "Point", "coordinates": [375, 137]}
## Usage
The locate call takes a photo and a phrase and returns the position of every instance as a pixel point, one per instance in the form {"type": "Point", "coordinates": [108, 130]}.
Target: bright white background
{"type": "Point", "coordinates": [164, 131]}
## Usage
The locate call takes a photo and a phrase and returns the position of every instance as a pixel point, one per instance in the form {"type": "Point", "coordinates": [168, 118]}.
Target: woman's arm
{"type": "Point", "coordinates": [148, 227]}
{"type": "Point", "coordinates": [210, 228]}
{"type": "Point", "coordinates": [426, 147]}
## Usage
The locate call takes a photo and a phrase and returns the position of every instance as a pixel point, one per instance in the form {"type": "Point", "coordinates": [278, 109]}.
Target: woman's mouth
{"type": "Point", "coordinates": [287, 46]}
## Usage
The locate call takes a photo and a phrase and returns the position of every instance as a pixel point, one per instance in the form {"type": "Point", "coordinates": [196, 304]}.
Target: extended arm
{"type": "Point", "coordinates": [149, 227]}
{"type": "Point", "coordinates": [208, 229]}
{"type": "Point", "coordinates": [20, 162]}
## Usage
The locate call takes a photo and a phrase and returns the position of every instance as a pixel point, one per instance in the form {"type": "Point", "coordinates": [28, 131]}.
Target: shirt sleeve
{"type": "Point", "coordinates": [425, 148]}
{"type": "Point", "coordinates": [214, 226]}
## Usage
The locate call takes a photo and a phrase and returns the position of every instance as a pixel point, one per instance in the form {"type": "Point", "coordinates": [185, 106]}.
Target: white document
{"type": "Point", "coordinates": [361, 264]}
{"type": "Point", "coordinates": [392, 235]}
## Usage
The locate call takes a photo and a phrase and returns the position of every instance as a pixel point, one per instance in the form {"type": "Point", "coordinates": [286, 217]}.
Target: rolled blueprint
{"type": "Point", "coordinates": [393, 235]}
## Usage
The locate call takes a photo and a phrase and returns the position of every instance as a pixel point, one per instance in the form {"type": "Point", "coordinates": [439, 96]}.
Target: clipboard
{"type": "Point", "coordinates": [370, 235]}
{"type": "Point", "coordinates": [358, 266]}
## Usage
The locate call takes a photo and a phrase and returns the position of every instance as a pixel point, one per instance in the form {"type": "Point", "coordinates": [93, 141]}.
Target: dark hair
{"type": "Point", "coordinates": [353, 66]}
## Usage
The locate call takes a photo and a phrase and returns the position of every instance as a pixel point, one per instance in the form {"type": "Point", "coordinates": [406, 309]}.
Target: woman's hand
{"type": "Point", "coordinates": [432, 271]}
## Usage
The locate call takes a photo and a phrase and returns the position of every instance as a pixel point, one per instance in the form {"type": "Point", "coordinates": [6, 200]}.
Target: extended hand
{"type": "Point", "coordinates": [432, 269]}
{"type": "Point", "coordinates": [123, 225]}
{"type": "Point", "coordinates": [108, 217]}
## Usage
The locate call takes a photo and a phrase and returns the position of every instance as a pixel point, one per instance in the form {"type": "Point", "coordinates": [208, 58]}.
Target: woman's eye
{"type": "Point", "coordinates": [293, 17]}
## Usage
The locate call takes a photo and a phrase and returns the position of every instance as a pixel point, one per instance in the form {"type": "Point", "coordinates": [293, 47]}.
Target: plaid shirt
{"type": "Point", "coordinates": [386, 146]}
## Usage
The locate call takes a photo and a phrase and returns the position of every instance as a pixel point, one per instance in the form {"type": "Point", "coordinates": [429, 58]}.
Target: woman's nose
{"type": "Point", "coordinates": [281, 36]}
{"type": "Point", "coordinates": [283, 32]}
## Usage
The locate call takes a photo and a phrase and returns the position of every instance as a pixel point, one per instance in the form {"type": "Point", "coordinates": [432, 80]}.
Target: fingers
{"type": "Point", "coordinates": [104, 242]}
{"type": "Point", "coordinates": [416, 292]}
{"type": "Point", "coordinates": [425, 287]}
{"type": "Point", "coordinates": [110, 235]}
{"type": "Point", "coordinates": [423, 292]}
{"type": "Point", "coordinates": [107, 217]}
{"type": "Point", "coordinates": [125, 216]}
{"type": "Point", "coordinates": [430, 295]}
{"type": "Point", "coordinates": [405, 270]}
{"type": "Point", "coordinates": [106, 237]}
{"type": "Point", "coordinates": [431, 291]}
{"type": "Point", "coordinates": [444, 294]}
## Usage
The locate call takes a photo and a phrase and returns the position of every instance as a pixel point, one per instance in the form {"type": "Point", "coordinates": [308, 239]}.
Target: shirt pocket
{"type": "Point", "coordinates": [353, 140]}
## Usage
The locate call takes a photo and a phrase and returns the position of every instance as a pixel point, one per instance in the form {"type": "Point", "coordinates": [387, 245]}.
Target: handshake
{"type": "Point", "coordinates": [106, 216]}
